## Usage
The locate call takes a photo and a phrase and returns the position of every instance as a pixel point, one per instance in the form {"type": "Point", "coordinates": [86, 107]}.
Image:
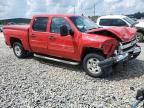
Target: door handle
{"type": "Point", "coordinates": [33, 35]}
{"type": "Point", "coordinates": [51, 37]}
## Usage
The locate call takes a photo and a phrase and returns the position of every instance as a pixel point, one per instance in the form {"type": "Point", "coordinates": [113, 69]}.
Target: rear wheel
{"type": "Point", "coordinates": [140, 37]}
{"type": "Point", "coordinates": [19, 50]}
{"type": "Point", "coordinates": [92, 68]}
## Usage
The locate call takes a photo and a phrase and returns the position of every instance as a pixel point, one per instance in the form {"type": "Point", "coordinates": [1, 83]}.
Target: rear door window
{"type": "Point", "coordinates": [40, 24]}
{"type": "Point", "coordinates": [106, 22]}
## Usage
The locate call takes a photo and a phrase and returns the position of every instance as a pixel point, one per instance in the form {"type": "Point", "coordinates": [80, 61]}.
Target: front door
{"type": "Point", "coordinates": [60, 46]}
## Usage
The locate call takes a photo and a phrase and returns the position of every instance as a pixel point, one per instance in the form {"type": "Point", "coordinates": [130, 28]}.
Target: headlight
{"type": "Point", "coordinates": [120, 48]}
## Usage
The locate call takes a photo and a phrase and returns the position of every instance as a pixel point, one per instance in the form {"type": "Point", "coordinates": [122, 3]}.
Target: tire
{"type": "Point", "coordinates": [19, 50]}
{"type": "Point", "coordinates": [140, 36]}
{"type": "Point", "coordinates": [91, 67]}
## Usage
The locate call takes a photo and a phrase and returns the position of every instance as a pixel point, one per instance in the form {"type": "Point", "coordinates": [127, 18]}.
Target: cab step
{"type": "Point", "coordinates": [57, 60]}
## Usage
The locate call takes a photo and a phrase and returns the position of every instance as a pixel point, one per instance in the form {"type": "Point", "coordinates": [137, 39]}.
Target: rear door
{"type": "Point", "coordinates": [38, 36]}
{"type": "Point", "coordinates": [60, 46]}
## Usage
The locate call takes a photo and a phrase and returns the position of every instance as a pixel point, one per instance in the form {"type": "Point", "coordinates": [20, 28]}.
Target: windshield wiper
{"type": "Point", "coordinates": [93, 28]}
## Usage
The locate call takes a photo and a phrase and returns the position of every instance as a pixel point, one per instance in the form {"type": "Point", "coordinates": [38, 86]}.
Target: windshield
{"type": "Point", "coordinates": [129, 20]}
{"type": "Point", "coordinates": [83, 24]}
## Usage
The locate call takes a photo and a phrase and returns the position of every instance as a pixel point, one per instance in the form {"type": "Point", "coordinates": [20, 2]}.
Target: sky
{"type": "Point", "coordinates": [27, 8]}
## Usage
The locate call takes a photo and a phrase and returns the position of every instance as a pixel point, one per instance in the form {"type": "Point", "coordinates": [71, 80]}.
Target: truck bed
{"type": "Point", "coordinates": [20, 32]}
{"type": "Point", "coordinates": [17, 27]}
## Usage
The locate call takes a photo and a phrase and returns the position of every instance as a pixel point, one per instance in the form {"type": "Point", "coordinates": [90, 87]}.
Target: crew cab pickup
{"type": "Point", "coordinates": [74, 40]}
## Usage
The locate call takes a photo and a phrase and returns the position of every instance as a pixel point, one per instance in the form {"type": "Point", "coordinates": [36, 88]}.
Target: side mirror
{"type": "Point", "coordinates": [63, 30]}
{"type": "Point", "coordinates": [71, 32]}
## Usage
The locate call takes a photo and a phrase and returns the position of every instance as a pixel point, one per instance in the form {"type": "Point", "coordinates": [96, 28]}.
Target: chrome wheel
{"type": "Point", "coordinates": [93, 67]}
{"type": "Point", "coordinates": [18, 50]}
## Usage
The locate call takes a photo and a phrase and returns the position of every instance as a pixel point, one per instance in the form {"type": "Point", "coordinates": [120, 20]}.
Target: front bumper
{"type": "Point", "coordinates": [121, 57]}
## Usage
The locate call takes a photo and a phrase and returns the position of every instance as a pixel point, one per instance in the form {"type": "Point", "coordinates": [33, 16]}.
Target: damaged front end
{"type": "Point", "coordinates": [125, 51]}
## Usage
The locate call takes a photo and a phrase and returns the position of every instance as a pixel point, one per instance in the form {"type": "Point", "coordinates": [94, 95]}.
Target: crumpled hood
{"type": "Point", "coordinates": [123, 33]}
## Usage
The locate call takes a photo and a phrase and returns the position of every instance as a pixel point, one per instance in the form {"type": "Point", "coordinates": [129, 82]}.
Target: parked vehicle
{"type": "Point", "coordinates": [74, 40]}
{"type": "Point", "coordinates": [1, 28]}
{"type": "Point", "coordinates": [120, 20]}
{"type": "Point", "coordinates": [139, 98]}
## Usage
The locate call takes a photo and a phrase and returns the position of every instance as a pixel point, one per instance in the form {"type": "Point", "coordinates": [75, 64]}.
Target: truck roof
{"type": "Point", "coordinates": [112, 16]}
{"type": "Point", "coordinates": [55, 15]}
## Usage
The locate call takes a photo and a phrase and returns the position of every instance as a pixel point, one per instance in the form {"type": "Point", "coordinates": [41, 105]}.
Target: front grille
{"type": "Point", "coordinates": [128, 46]}
{"type": "Point", "coordinates": [124, 43]}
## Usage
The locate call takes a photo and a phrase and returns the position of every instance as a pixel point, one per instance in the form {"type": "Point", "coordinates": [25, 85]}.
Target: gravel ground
{"type": "Point", "coordinates": [37, 83]}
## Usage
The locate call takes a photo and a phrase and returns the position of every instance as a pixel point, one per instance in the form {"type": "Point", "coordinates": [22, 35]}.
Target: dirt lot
{"type": "Point", "coordinates": [33, 82]}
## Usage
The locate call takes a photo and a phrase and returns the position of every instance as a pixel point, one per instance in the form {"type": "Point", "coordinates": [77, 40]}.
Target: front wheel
{"type": "Point", "coordinates": [92, 68]}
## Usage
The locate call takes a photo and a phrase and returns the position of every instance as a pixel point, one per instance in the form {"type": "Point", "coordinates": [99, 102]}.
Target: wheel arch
{"type": "Point", "coordinates": [14, 39]}
{"type": "Point", "coordinates": [88, 50]}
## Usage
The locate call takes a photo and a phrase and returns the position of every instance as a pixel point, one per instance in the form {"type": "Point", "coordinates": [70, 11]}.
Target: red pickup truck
{"type": "Point", "coordinates": [74, 40]}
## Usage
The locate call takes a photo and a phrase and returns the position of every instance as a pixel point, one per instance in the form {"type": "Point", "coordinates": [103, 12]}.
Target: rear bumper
{"type": "Point", "coordinates": [121, 58]}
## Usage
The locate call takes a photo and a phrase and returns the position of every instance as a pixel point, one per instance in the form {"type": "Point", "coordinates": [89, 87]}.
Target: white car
{"type": "Point", "coordinates": [120, 20]}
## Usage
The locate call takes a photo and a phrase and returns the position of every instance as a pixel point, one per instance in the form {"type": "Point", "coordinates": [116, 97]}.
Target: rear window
{"type": "Point", "coordinates": [112, 22]}
{"type": "Point", "coordinates": [40, 24]}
